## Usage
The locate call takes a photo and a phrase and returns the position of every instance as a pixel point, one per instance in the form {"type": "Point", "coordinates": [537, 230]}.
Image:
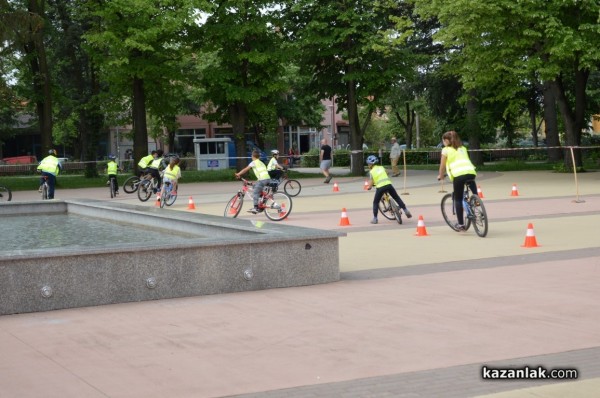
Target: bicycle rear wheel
{"type": "Point", "coordinates": [395, 209]}
{"type": "Point", "coordinates": [164, 195]}
{"type": "Point", "coordinates": [449, 213]}
{"type": "Point", "coordinates": [480, 220]}
{"type": "Point", "coordinates": [292, 187]}
{"type": "Point", "coordinates": [45, 191]}
{"type": "Point", "coordinates": [131, 184]}
{"type": "Point", "coordinates": [234, 206]}
{"type": "Point", "coordinates": [112, 188]}
{"type": "Point", "coordinates": [278, 206]}
{"type": "Point", "coordinates": [145, 190]}
{"type": "Point", "coordinates": [385, 208]}
{"type": "Point", "coordinates": [5, 194]}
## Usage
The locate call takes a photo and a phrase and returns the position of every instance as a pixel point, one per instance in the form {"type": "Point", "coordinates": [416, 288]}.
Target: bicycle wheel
{"type": "Point", "coordinates": [234, 206]}
{"type": "Point", "coordinates": [385, 209]}
{"type": "Point", "coordinates": [44, 191]}
{"type": "Point", "coordinates": [448, 211]}
{"type": "Point", "coordinates": [131, 184]}
{"type": "Point", "coordinates": [396, 210]}
{"type": "Point", "coordinates": [112, 188]}
{"type": "Point", "coordinates": [5, 194]}
{"type": "Point", "coordinates": [164, 195]}
{"type": "Point", "coordinates": [145, 190]}
{"type": "Point", "coordinates": [480, 220]}
{"type": "Point", "coordinates": [171, 198]}
{"type": "Point", "coordinates": [278, 206]}
{"type": "Point", "coordinates": [292, 187]}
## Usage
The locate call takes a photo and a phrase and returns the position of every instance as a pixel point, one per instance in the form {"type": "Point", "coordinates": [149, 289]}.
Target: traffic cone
{"type": "Point", "coordinates": [157, 202]}
{"type": "Point", "coordinates": [421, 230]}
{"type": "Point", "coordinates": [336, 188]}
{"type": "Point", "coordinates": [191, 205]}
{"type": "Point", "coordinates": [283, 211]}
{"type": "Point", "coordinates": [514, 192]}
{"type": "Point", "coordinates": [344, 221]}
{"type": "Point", "coordinates": [480, 192]}
{"type": "Point", "coordinates": [530, 240]}
{"type": "Point", "coordinates": [366, 186]}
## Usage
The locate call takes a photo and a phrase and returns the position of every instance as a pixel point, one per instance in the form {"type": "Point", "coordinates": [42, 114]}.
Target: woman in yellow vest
{"type": "Point", "coordinates": [380, 180]}
{"type": "Point", "coordinates": [172, 173]}
{"type": "Point", "coordinates": [50, 167]}
{"type": "Point", "coordinates": [262, 175]}
{"type": "Point", "coordinates": [456, 164]}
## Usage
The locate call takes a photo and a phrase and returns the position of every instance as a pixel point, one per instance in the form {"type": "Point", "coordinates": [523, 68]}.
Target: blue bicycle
{"type": "Point", "coordinates": [167, 195]}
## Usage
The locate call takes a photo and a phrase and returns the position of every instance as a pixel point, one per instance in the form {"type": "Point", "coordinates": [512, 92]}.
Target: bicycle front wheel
{"type": "Point", "coordinates": [292, 187]}
{"type": "Point", "coordinates": [480, 220]}
{"type": "Point", "coordinates": [164, 195]}
{"type": "Point", "coordinates": [385, 208]}
{"type": "Point", "coordinates": [145, 190]}
{"type": "Point", "coordinates": [234, 206]}
{"type": "Point", "coordinates": [396, 211]}
{"type": "Point", "coordinates": [171, 198]}
{"type": "Point", "coordinates": [5, 194]}
{"type": "Point", "coordinates": [278, 206]}
{"type": "Point", "coordinates": [131, 184]}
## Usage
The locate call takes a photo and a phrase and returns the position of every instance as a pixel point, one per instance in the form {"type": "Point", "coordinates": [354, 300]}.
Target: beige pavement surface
{"type": "Point", "coordinates": [412, 316]}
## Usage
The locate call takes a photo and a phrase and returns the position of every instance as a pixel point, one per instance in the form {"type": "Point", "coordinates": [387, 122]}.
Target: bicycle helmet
{"type": "Point", "coordinates": [52, 152]}
{"type": "Point", "coordinates": [112, 157]}
{"type": "Point", "coordinates": [275, 152]}
{"type": "Point", "coordinates": [372, 159]}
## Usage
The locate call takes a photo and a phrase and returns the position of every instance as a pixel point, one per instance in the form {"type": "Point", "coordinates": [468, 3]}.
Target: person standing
{"type": "Point", "coordinates": [50, 168]}
{"type": "Point", "coordinates": [395, 153]}
{"type": "Point", "coordinates": [456, 163]}
{"type": "Point", "coordinates": [325, 160]}
{"type": "Point", "coordinates": [379, 179]}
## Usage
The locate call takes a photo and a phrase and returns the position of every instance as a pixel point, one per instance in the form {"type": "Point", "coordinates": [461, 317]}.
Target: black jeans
{"type": "Point", "coordinates": [458, 184]}
{"type": "Point", "coordinates": [379, 193]}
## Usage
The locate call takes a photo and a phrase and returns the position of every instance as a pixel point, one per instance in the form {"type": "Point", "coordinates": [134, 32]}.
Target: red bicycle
{"type": "Point", "coordinates": [276, 205]}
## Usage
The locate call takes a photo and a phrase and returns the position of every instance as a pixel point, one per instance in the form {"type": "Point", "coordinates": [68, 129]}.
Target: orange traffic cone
{"type": "Point", "coordinates": [514, 192]}
{"type": "Point", "coordinates": [530, 240]}
{"type": "Point", "coordinates": [480, 192]}
{"type": "Point", "coordinates": [191, 205]}
{"type": "Point", "coordinates": [283, 211]}
{"type": "Point", "coordinates": [336, 188]}
{"type": "Point", "coordinates": [421, 230]}
{"type": "Point", "coordinates": [157, 202]}
{"type": "Point", "coordinates": [366, 186]}
{"type": "Point", "coordinates": [344, 221]}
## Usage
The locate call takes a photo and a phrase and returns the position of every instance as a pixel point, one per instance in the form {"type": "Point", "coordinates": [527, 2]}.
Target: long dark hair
{"type": "Point", "coordinates": [454, 139]}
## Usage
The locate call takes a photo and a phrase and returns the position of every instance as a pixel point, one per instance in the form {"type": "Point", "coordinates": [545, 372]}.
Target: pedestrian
{"type": "Point", "coordinates": [395, 157]}
{"type": "Point", "coordinates": [379, 179]}
{"type": "Point", "coordinates": [262, 176]}
{"type": "Point", "coordinates": [456, 164]}
{"type": "Point", "coordinates": [50, 167]}
{"type": "Point", "coordinates": [325, 160]}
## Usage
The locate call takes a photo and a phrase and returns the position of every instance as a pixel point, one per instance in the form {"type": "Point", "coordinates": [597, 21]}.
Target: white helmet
{"type": "Point", "coordinates": [275, 152]}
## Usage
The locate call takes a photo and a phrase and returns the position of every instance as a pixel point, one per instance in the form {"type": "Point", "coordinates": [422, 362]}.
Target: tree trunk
{"type": "Point", "coordinates": [473, 128]}
{"type": "Point", "coordinates": [239, 116]}
{"type": "Point", "coordinates": [140, 132]}
{"type": "Point", "coordinates": [551, 123]}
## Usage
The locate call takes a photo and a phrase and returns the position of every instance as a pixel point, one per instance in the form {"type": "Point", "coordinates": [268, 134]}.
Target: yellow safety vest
{"type": "Point", "coordinates": [260, 170]}
{"type": "Point", "coordinates": [49, 165]}
{"type": "Point", "coordinates": [172, 174]}
{"type": "Point", "coordinates": [458, 162]}
{"type": "Point", "coordinates": [272, 164]}
{"type": "Point", "coordinates": [380, 177]}
{"type": "Point", "coordinates": [155, 164]}
{"type": "Point", "coordinates": [112, 167]}
{"type": "Point", "coordinates": [145, 161]}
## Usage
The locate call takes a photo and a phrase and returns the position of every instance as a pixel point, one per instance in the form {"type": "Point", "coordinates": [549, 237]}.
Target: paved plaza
{"type": "Point", "coordinates": [412, 316]}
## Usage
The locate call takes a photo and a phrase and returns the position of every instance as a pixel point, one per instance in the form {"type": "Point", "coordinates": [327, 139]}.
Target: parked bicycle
{"type": "Point", "coordinates": [276, 205]}
{"type": "Point", "coordinates": [167, 195]}
{"type": "Point", "coordinates": [389, 208]}
{"type": "Point", "coordinates": [290, 186]}
{"type": "Point", "coordinates": [147, 186]}
{"type": "Point", "coordinates": [5, 194]}
{"type": "Point", "coordinates": [474, 211]}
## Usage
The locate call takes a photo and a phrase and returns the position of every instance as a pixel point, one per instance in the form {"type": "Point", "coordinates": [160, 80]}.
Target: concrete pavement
{"type": "Point", "coordinates": [412, 316]}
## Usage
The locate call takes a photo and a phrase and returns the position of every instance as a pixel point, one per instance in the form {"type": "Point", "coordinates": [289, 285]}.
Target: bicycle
{"type": "Point", "coordinates": [291, 187]}
{"type": "Point", "coordinates": [474, 211]}
{"type": "Point", "coordinates": [389, 208]}
{"type": "Point", "coordinates": [276, 205]}
{"type": "Point", "coordinates": [147, 186]}
{"type": "Point", "coordinates": [167, 195]}
{"type": "Point", "coordinates": [5, 194]}
{"type": "Point", "coordinates": [131, 184]}
{"type": "Point", "coordinates": [112, 187]}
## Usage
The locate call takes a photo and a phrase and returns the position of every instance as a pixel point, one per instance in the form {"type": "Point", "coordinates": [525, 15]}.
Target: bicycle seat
{"type": "Point", "coordinates": [273, 183]}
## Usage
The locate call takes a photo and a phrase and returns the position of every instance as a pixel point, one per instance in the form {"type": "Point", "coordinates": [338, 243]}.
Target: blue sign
{"type": "Point", "coordinates": [213, 163]}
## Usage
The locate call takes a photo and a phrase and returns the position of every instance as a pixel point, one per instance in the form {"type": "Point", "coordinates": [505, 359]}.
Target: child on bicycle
{"type": "Point", "coordinates": [274, 168]}
{"type": "Point", "coordinates": [378, 177]}
{"type": "Point", "coordinates": [111, 169]}
{"type": "Point", "coordinates": [456, 163]}
{"type": "Point", "coordinates": [172, 173]}
{"type": "Point", "coordinates": [262, 176]}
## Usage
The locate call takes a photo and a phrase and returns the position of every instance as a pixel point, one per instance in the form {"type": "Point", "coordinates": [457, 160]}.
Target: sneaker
{"type": "Point", "coordinates": [116, 192]}
{"type": "Point", "coordinates": [407, 213]}
{"type": "Point", "coordinates": [459, 227]}
{"type": "Point", "coordinates": [108, 183]}
{"type": "Point", "coordinates": [329, 177]}
{"type": "Point", "coordinates": [40, 189]}
{"type": "Point", "coordinates": [374, 221]}
{"type": "Point", "coordinates": [254, 210]}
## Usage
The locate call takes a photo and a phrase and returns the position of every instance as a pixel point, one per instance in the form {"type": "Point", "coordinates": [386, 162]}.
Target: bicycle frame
{"type": "Point", "coordinates": [275, 205]}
